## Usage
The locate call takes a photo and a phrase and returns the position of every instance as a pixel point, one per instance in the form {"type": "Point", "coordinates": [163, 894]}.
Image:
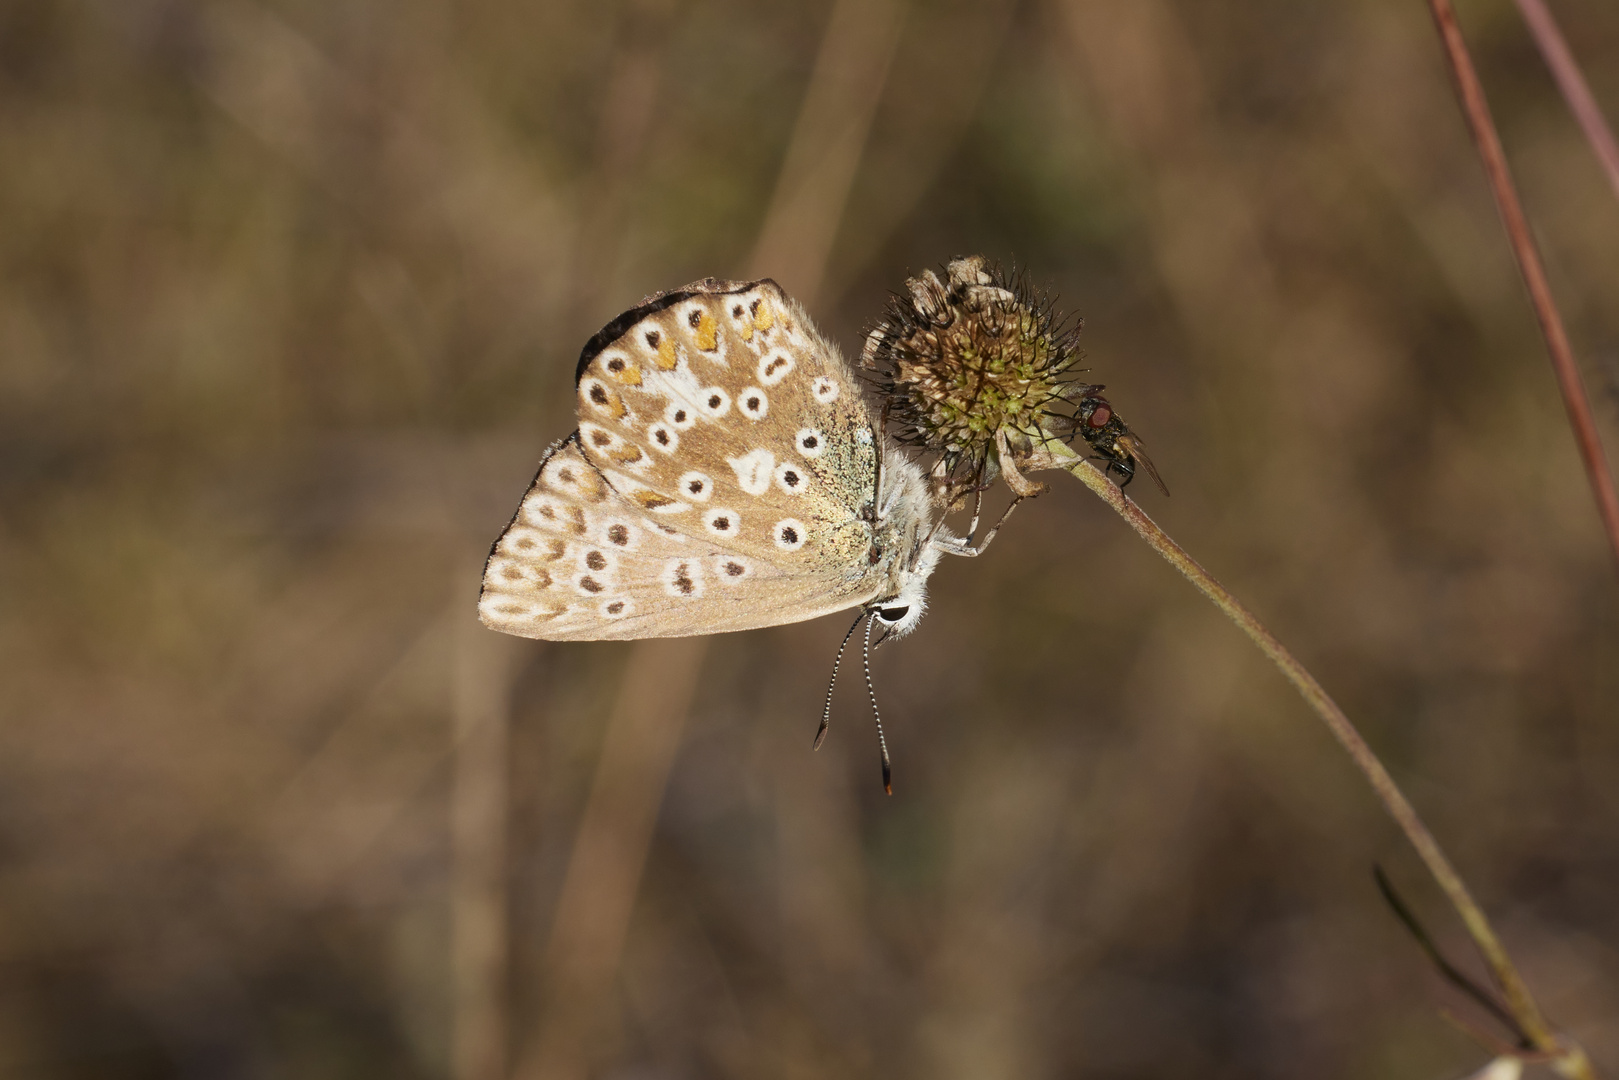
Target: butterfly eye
{"type": "Point", "coordinates": [893, 614]}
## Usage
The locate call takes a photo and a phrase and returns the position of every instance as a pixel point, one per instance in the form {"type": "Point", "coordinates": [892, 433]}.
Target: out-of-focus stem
{"type": "Point", "coordinates": [484, 667]}
{"type": "Point", "coordinates": [1477, 110]}
{"type": "Point", "coordinates": [1568, 1057]}
{"type": "Point", "coordinates": [1571, 81]}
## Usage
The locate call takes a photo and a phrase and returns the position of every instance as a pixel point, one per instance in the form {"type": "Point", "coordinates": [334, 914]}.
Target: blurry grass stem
{"type": "Point", "coordinates": [828, 142]}
{"type": "Point", "coordinates": [1452, 974]}
{"type": "Point", "coordinates": [1568, 1058]}
{"type": "Point", "coordinates": [1523, 1051]}
{"type": "Point", "coordinates": [609, 854]}
{"type": "Point", "coordinates": [1576, 91]}
{"type": "Point", "coordinates": [1477, 110]}
{"type": "Point", "coordinates": [484, 669]}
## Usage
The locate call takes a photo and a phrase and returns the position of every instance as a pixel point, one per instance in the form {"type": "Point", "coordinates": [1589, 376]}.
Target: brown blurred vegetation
{"type": "Point", "coordinates": [290, 298]}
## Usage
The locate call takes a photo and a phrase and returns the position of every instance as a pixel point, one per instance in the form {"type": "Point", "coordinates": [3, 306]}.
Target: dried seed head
{"type": "Point", "coordinates": [960, 360]}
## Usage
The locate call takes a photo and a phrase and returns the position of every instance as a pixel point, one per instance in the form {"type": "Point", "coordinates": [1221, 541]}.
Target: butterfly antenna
{"type": "Point", "coordinates": [826, 715]}
{"type": "Point", "coordinates": [882, 743]}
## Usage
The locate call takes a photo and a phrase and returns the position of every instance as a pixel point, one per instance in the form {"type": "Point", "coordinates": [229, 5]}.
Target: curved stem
{"type": "Point", "coordinates": [1568, 1058]}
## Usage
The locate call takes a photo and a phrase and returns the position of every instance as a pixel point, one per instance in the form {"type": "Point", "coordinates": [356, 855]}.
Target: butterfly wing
{"type": "Point", "coordinates": [723, 478]}
{"type": "Point", "coordinates": [722, 413]}
{"type": "Point", "coordinates": [581, 561]}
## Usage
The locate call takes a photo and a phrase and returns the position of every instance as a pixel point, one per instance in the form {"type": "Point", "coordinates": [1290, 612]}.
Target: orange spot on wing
{"type": "Point", "coordinates": [652, 500]}
{"type": "Point", "coordinates": [763, 316]}
{"type": "Point", "coordinates": [666, 354]}
{"type": "Point", "coordinates": [708, 337]}
{"type": "Point", "coordinates": [602, 398]}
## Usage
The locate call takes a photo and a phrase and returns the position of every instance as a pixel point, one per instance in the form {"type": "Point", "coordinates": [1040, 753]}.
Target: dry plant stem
{"type": "Point", "coordinates": [1534, 274]}
{"type": "Point", "coordinates": [484, 666]}
{"type": "Point", "coordinates": [1570, 1058]}
{"type": "Point", "coordinates": [1571, 81]}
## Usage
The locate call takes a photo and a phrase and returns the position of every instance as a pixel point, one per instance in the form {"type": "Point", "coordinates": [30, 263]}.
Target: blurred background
{"type": "Point", "coordinates": [291, 295]}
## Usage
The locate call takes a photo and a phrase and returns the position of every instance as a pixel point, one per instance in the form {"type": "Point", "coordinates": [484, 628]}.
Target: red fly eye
{"type": "Point", "coordinates": [1100, 416]}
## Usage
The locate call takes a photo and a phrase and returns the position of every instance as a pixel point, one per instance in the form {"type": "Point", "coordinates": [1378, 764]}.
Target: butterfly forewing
{"type": "Point", "coordinates": [720, 480]}
{"type": "Point", "coordinates": [725, 415]}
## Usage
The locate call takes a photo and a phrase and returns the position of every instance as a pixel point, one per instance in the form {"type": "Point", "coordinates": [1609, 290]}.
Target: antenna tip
{"type": "Point", "coordinates": [888, 780]}
{"type": "Point", "coordinates": [820, 736]}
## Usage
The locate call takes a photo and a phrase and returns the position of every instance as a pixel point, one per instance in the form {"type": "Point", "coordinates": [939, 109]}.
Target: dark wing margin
{"type": "Point", "coordinates": [651, 306]}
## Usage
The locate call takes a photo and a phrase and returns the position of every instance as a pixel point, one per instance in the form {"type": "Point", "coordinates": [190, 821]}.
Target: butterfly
{"type": "Point", "coordinates": [727, 474]}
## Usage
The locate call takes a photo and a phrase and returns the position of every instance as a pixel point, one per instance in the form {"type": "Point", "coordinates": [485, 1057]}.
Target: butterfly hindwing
{"type": "Point", "coordinates": [580, 561]}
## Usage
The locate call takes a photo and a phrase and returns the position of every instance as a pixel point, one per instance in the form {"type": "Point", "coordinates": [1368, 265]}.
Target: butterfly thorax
{"type": "Point", "coordinates": [906, 545]}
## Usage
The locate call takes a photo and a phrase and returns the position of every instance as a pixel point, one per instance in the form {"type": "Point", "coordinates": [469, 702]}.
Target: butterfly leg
{"type": "Point", "coordinates": [965, 547]}
{"type": "Point", "coordinates": [978, 506]}
{"type": "Point", "coordinates": [955, 505]}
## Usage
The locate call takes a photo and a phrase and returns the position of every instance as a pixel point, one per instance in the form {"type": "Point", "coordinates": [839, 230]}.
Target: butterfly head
{"type": "Point", "coordinates": [898, 614]}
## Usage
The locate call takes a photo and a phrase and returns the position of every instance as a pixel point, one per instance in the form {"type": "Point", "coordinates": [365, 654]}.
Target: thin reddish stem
{"type": "Point", "coordinates": [1488, 142]}
{"type": "Point", "coordinates": [1571, 81]}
